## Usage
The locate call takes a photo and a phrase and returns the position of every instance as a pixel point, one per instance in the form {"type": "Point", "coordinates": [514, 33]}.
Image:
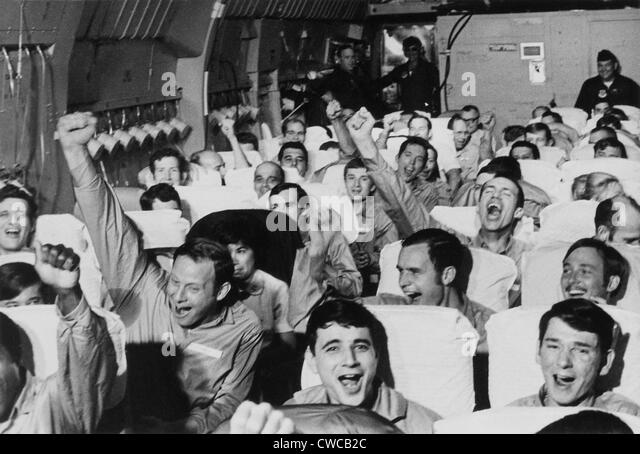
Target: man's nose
{"type": "Point", "coordinates": [349, 358]}
{"type": "Point", "coordinates": [564, 358]}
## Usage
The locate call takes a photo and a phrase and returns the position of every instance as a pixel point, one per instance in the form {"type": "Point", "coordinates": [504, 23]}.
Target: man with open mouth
{"type": "Point", "coordinates": [576, 346]}
{"type": "Point", "coordinates": [190, 344]}
{"type": "Point", "coordinates": [593, 270]}
{"type": "Point", "coordinates": [17, 215]}
{"type": "Point", "coordinates": [345, 341]}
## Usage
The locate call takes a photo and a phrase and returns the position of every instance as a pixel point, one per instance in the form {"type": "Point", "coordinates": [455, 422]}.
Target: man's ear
{"type": "Point", "coordinates": [613, 284]}
{"type": "Point", "coordinates": [223, 291]}
{"type": "Point", "coordinates": [518, 213]}
{"type": "Point", "coordinates": [448, 276]}
{"type": "Point", "coordinates": [608, 362]}
{"type": "Point", "coordinates": [603, 233]}
{"type": "Point", "coordinates": [311, 358]}
{"type": "Point", "coordinates": [538, 347]}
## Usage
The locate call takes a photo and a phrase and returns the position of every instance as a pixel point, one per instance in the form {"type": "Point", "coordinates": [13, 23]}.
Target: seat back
{"type": "Point", "coordinates": [202, 200]}
{"type": "Point", "coordinates": [572, 116]}
{"type": "Point", "coordinates": [160, 228]}
{"type": "Point", "coordinates": [568, 221]}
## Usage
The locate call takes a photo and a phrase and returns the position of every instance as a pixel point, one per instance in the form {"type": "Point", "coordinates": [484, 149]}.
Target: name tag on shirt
{"type": "Point", "coordinates": [204, 350]}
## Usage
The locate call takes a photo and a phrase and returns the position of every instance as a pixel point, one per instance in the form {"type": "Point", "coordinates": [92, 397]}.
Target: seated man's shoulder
{"type": "Point", "coordinates": [407, 415]}
{"type": "Point", "coordinates": [270, 282]}
{"type": "Point", "coordinates": [245, 318]}
{"type": "Point", "coordinates": [313, 395]}
{"type": "Point", "coordinates": [529, 401]}
{"type": "Point", "coordinates": [617, 402]}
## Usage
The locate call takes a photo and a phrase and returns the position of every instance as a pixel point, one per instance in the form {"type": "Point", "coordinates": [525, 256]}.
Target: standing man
{"type": "Point", "coordinates": [417, 79]}
{"type": "Point", "coordinates": [608, 85]}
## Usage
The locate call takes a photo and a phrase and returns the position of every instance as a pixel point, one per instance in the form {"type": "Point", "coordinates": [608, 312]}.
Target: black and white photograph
{"type": "Point", "coordinates": [320, 221]}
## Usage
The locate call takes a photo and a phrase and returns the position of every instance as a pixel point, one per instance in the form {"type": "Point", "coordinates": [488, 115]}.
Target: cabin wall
{"type": "Point", "coordinates": [571, 41]}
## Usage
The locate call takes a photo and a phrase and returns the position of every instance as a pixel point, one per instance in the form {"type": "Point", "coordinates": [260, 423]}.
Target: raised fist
{"type": "Point", "coordinates": [361, 124]}
{"type": "Point", "coordinates": [334, 110]}
{"type": "Point", "coordinates": [76, 129]}
{"type": "Point", "coordinates": [57, 266]}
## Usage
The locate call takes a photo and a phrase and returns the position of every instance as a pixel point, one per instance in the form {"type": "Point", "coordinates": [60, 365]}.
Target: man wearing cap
{"type": "Point", "coordinates": [417, 78]}
{"type": "Point", "coordinates": [609, 84]}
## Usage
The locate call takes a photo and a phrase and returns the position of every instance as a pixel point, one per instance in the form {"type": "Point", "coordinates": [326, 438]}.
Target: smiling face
{"type": "Point", "coordinates": [498, 205]}
{"type": "Point", "coordinates": [411, 161]}
{"type": "Point", "coordinates": [346, 361]}
{"type": "Point", "coordinates": [472, 119]}
{"type": "Point", "coordinates": [295, 132]}
{"type": "Point", "coordinates": [419, 127]}
{"type": "Point", "coordinates": [418, 278]}
{"type": "Point", "coordinates": [358, 183]}
{"type": "Point", "coordinates": [461, 134]}
{"type": "Point", "coordinates": [607, 69]}
{"type": "Point", "coordinates": [583, 275]}
{"type": "Point", "coordinates": [15, 225]}
{"type": "Point", "coordinates": [294, 158]}
{"type": "Point", "coordinates": [266, 177]}
{"type": "Point", "coordinates": [191, 291]}
{"type": "Point", "coordinates": [539, 139]}
{"type": "Point", "coordinates": [571, 361]}
{"type": "Point", "coordinates": [286, 202]}
{"type": "Point", "coordinates": [167, 170]}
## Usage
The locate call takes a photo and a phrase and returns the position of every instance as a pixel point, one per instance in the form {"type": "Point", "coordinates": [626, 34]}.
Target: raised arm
{"type": "Point", "coordinates": [87, 365]}
{"type": "Point", "coordinates": [239, 159]}
{"type": "Point", "coordinates": [401, 205]}
{"type": "Point", "coordinates": [334, 114]}
{"type": "Point", "coordinates": [125, 267]}
{"type": "Point", "coordinates": [488, 121]}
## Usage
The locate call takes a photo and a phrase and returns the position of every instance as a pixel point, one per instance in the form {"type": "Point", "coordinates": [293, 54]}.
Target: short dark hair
{"type": "Point", "coordinates": [248, 137]}
{"type": "Point", "coordinates": [606, 211]}
{"type": "Point", "coordinates": [506, 166]}
{"type": "Point", "coordinates": [413, 140]}
{"type": "Point", "coordinates": [611, 131]}
{"type": "Point", "coordinates": [609, 120]}
{"type": "Point", "coordinates": [445, 249]}
{"type": "Point", "coordinates": [534, 128]}
{"type": "Point", "coordinates": [470, 108]}
{"type": "Point", "coordinates": [296, 146]}
{"type": "Point", "coordinates": [555, 115]}
{"type": "Point", "coordinates": [240, 228]}
{"type": "Point", "coordinates": [411, 41]}
{"type": "Point", "coordinates": [512, 132]}
{"type": "Point", "coordinates": [202, 249]}
{"type": "Point", "coordinates": [300, 193]}
{"type": "Point", "coordinates": [417, 116]}
{"type": "Point", "coordinates": [162, 153]}
{"type": "Point", "coordinates": [533, 112]}
{"type": "Point", "coordinates": [345, 313]}
{"type": "Point", "coordinates": [581, 315]}
{"type": "Point", "coordinates": [15, 277]}
{"type": "Point", "coordinates": [610, 142]}
{"type": "Point", "coordinates": [614, 264]}
{"type": "Point", "coordinates": [455, 117]}
{"type": "Point", "coordinates": [329, 144]}
{"type": "Point", "coordinates": [11, 191]}
{"type": "Point", "coordinates": [10, 338]}
{"type": "Point", "coordinates": [288, 121]}
{"type": "Point", "coordinates": [341, 48]}
{"type": "Point", "coordinates": [355, 163]}
{"type": "Point", "coordinates": [525, 144]}
{"type": "Point", "coordinates": [606, 55]}
{"type": "Point", "coordinates": [618, 113]}
{"type": "Point", "coordinates": [161, 191]}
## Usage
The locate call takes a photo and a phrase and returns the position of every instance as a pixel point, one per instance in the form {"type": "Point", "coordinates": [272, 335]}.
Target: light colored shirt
{"type": "Point", "coordinates": [73, 399]}
{"type": "Point", "coordinates": [268, 298]}
{"type": "Point", "coordinates": [608, 401]}
{"type": "Point", "coordinates": [469, 159]}
{"type": "Point", "coordinates": [339, 273]}
{"type": "Point", "coordinates": [212, 364]}
{"type": "Point", "coordinates": [406, 415]}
